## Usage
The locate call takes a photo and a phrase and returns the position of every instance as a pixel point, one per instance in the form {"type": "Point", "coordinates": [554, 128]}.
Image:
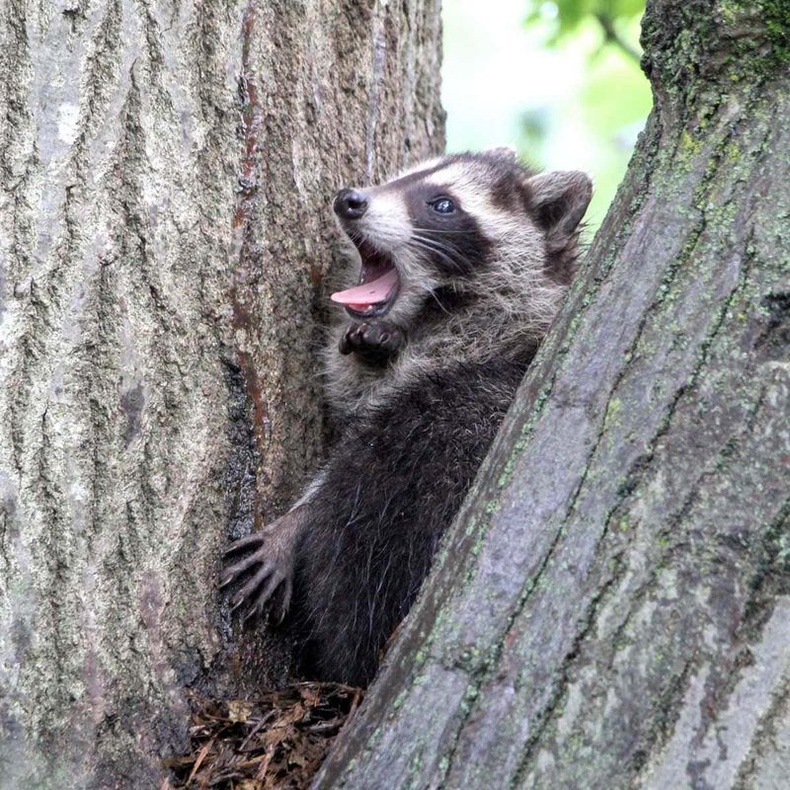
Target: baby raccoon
{"type": "Point", "coordinates": [463, 262]}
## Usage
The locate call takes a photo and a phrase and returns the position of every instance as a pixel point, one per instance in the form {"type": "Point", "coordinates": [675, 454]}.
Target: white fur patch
{"type": "Point", "coordinates": [386, 223]}
{"type": "Point", "coordinates": [511, 300]}
{"type": "Point", "coordinates": [464, 184]}
{"type": "Point", "coordinates": [429, 164]}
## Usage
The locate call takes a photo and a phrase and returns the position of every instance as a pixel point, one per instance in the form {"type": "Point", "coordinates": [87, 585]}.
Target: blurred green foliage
{"type": "Point", "coordinates": [613, 97]}
{"type": "Point", "coordinates": [557, 79]}
{"type": "Point", "coordinates": [570, 15]}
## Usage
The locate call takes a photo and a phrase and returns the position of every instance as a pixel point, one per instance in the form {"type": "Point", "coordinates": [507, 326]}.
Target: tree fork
{"type": "Point", "coordinates": [611, 606]}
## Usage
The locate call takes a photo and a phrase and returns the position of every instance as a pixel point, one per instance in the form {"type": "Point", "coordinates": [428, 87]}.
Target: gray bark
{"type": "Point", "coordinates": [612, 606]}
{"type": "Point", "coordinates": [165, 177]}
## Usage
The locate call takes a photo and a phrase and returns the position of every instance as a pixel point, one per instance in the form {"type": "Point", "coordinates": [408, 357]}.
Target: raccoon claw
{"type": "Point", "coordinates": [258, 591]}
{"type": "Point", "coordinates": [375, 339]}
{"type": "Point", "coordinates": [265, 569]}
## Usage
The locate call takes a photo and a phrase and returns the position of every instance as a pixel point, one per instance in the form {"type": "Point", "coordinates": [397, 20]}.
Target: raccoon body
{"type": "Point", "coordinates": [461, 264]}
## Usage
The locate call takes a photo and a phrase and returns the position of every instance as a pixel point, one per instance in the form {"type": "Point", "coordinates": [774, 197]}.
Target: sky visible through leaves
{"type": "Point", "coordinates": [559, 81]}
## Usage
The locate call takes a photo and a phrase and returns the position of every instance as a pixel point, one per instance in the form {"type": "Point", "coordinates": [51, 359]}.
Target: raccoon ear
{"type": "Point", "coordinates": [558, 200]}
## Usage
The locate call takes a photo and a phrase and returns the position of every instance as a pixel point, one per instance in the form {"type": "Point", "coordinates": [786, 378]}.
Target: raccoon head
{"type": "Point", "coordinates": [459, 227]}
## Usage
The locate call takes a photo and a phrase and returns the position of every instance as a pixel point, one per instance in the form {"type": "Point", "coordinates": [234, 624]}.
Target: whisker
{"type": "Point", "coordinates": [439, 302]}
{"type": "Point", "coordinates": [437, 243]}
{"type": "Point", "coordinates": [443, 232]}
{"type": "Point", "coordinates": [447, 252]}
{"type": "Point", "coordinates": [449, 256]}
{"type": "Point", "coordinates": [443, 253]}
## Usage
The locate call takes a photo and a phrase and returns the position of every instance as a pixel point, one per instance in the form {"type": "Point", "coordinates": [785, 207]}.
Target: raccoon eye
{"type": "Point", "coordinates": [442, 205]}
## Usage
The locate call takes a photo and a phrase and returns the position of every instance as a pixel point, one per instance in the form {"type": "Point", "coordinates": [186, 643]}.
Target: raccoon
{"type": "Point", "coordinates": [462, 263]}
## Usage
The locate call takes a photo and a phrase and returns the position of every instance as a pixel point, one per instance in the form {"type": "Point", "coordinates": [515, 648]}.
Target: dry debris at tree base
{"type": "Point", "coordinates": [277, 741]}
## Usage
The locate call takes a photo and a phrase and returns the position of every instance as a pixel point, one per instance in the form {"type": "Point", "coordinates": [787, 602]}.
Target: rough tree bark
{"type": "Point", "coordinates": [165, 173]}
{"type": "Point", "coordinates": [612, 607]}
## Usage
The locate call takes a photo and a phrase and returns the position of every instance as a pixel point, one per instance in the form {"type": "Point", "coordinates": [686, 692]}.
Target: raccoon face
{"type": "Point", "coordinates": [441, 225]}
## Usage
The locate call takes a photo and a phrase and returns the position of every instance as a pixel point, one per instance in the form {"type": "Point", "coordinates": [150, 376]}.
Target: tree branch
{"type": "Point", "coordinates": [611, 36]}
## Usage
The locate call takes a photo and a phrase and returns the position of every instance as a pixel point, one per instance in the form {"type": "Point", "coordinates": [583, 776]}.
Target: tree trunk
{"type": "Point", "coordinates": [165, 230]}
{"type": "Point", "coordinates": [612, 606]}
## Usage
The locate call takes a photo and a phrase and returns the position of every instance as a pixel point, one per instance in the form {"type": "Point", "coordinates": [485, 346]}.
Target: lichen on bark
{"type": "Point", "coordinates": [611, 599]}
{"type": "Point", "coordinates": [165, 172]}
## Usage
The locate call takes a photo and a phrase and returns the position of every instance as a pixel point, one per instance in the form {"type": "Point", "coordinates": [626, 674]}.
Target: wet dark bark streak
{"type": "Point", "coordinates": [159, 284]}
{"type": "Point", "coordinates": [248, 272]}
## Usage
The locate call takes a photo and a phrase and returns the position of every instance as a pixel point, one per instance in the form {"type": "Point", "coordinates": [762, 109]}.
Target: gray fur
{"type": "Point", "coordinates": [418, 385]}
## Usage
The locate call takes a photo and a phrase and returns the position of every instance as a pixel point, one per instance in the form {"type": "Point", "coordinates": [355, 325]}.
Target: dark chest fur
{"type": "Point", "coordinates": [462, 264]}
{"type": "Point", "coordinates": [393, 484]}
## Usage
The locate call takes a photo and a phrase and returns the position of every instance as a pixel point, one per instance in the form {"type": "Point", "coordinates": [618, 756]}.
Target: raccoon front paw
{"type": "Point", "coordinates": [266, 568]}
{"type": "Point", "coordinates": [372, 340]}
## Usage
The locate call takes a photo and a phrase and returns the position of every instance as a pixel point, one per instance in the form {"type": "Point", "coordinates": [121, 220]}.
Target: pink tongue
{"type": "Point", "coordinates": [369, 293]}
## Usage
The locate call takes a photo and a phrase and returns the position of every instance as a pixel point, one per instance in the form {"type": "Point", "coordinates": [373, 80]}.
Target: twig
{"type": "Point", "coordinates": [613, 37]}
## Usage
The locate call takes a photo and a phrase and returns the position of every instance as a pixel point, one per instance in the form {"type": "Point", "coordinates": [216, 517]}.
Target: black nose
{"type": "Point", "coordinates": [350, 204]}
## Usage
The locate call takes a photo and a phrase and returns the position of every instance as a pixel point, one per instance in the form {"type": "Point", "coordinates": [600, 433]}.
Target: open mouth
{"type": "Point", "coordinates": [378, 285]}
